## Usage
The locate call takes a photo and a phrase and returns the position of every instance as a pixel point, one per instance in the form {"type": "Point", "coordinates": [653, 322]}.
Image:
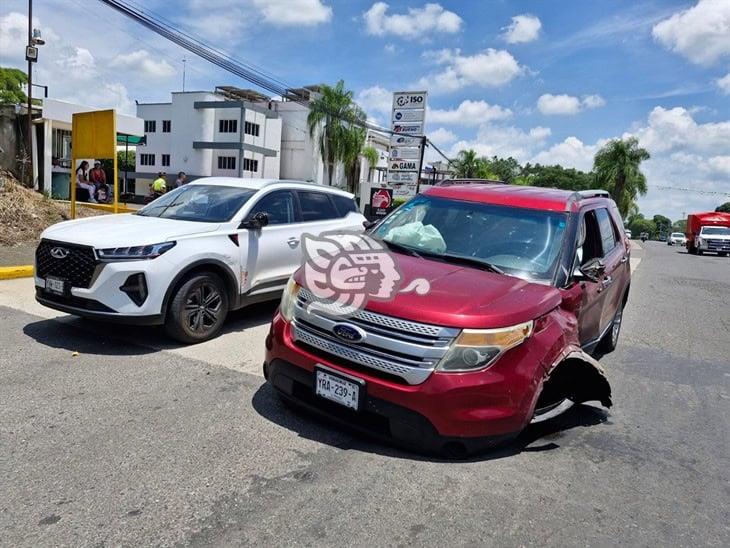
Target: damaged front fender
{"type": "Point", "coordinates": [576, 377]}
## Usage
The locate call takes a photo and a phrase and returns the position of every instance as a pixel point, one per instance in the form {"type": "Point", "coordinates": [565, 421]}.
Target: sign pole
{"type": "Point", "coordinates": [420, 164]}
{"type": "Point", "coordinates": [72, 184]}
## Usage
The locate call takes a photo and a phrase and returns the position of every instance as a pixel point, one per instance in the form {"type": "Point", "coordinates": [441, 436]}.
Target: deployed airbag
{"type": "Point", "coordinates": [418, 235]}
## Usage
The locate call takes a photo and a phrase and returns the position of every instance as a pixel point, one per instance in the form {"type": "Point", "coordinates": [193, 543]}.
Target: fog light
{"type": "Point", "coordinates": [136, 288]}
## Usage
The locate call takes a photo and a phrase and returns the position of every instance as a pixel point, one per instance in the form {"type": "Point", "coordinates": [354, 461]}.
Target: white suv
{"type": "Point", "coordinates": [189, 257]}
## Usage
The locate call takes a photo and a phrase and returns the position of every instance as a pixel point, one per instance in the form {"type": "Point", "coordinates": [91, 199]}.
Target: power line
{"type": "Point", "coordinates": [706, 192]}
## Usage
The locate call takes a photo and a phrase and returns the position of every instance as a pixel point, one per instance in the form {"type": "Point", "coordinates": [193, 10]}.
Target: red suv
{"type": "Point", "coordinates": [526, 286]}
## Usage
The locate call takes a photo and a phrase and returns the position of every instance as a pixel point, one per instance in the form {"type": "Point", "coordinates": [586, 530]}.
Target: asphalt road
{"type": "Point", "coordinates": [126, 444]}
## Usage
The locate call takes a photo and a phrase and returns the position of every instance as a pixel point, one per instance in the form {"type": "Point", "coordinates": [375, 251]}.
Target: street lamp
{"type": "Point", "coordinates": [31, 55]}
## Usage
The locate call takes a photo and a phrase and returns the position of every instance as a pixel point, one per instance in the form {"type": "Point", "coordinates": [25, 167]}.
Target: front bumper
{"type": "Point", "coordinates": [472, 410]}
{"type": "Point", "coordinates": [105, 300]}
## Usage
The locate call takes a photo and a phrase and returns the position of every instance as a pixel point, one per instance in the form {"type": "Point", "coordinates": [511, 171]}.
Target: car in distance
{"type": "Point", "coordinates": [677, 238]}
{"type": "Point", "coordinates": [525, 285]}
{"type": "Point", "coordinates": [188, 258]}
{"type": "Point", "coordinates": [628, 233]}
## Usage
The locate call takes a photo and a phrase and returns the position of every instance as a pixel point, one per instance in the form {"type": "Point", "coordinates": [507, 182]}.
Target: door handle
{"type": "Point", "coordinates": [293, 242]}
{"type": "Point", "coordinates": [608, 280]}
{"type": "Point", "coordinates": [624, 259]}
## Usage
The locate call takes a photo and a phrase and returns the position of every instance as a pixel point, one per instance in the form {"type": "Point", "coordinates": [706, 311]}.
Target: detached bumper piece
{"type": "Point", "coordinates": [378, 418]}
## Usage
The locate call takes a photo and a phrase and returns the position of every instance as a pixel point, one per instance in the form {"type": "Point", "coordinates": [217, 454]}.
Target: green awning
{"type": "Point", "coordinates": [130, 139]}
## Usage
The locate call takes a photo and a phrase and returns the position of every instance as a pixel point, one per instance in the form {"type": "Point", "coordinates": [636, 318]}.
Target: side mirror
{"type": "Point", "coordinates": [369, 224]}
{"type": "Point", "coordinates": [258, 221]}
{"type": "Point", "coordinates": [593, 269]}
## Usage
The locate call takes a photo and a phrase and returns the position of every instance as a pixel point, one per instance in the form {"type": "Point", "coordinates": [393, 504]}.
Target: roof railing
{"type": "Point", "coordinates": [596, 193]}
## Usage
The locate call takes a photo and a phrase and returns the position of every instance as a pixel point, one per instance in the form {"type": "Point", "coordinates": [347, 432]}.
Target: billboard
{"type": "Point", "coordinates": [408, 119]}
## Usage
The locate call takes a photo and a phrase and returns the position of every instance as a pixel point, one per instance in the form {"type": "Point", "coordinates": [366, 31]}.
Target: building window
{"type": "Point", "coordinates": [146, 159]}
{"type": "Point", "coordinates": [249, 128]}
{"type": "Point", "coordinates": [250, 165]}
{"type": "Point", "coordinates": [228, 126]}
{"type": "Point", "coordinates": [150, 126]}
{"type": "Point", "coordinates": [226, 162]}
{"type": "Point", "coordinates": [166, 160]}
{"type": "Point", "coordinates": [166, 126]}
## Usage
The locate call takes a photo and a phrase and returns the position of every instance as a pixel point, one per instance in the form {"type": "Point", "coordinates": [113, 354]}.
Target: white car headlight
{"type": "Point", "coordinates": [289, 299]}
{"type": "Point", "coordinates": [479, 348]}
{"type": "Point", "coordinates": [139, 252]}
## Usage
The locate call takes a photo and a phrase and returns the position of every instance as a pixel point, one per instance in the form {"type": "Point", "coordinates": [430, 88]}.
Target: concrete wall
{"type": "Point", "coordinates": [10, 141]}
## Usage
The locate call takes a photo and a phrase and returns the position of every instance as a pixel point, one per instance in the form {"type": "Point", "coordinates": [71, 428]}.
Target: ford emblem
{"type": "Point", "coordinates": [59, 253]}
{"type": "Point", "coordinates": [348, 332]}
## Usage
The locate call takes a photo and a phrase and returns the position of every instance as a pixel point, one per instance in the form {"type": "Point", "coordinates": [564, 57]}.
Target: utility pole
{"type": "Point", "coordinates": [30, 96]}
{"type": "Point", "coordinates": [184, 62]}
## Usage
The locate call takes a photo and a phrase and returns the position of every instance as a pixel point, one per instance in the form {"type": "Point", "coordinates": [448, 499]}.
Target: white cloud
{"type": "Point", "coordinates": [489, 68]}
{"type": "Point", "coordinates": [469, 113]}
{"type": "Point", "coordinates": [572, 152]}
{"type": "Point", "coordinates": [375, 99]}
{"type": "Point", "coordinates": [700, 33]}
{"type": "Point", "coordinates": [142, 62]}
{"type": "Point", "coordinates": [288, 13]}
{"type": "Point", "coordinates": [720, 164]}
{"type": "Point", "coordinates": [724, 84]}
{"type": "Point", "coordinates": [504, 141]}
{"type": "Point", "coordinates": [416, 23]}
{"type": "Point", "coordinates": [523, 28]}
{"type": "Point", "coordinates": [442, 136]}
{"type": "Point", "coordinates": [549, 104]}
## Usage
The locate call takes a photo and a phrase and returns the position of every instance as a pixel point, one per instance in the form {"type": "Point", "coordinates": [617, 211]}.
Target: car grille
{"type": "Point", "coordinates": [77, 267]}
{"type": "Point", "coordinates": [718, 245]}
{"type": "Point", "coordinates": [392, 347]}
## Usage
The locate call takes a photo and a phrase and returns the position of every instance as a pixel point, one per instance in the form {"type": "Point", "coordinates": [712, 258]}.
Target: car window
{"type": "Point", "coordinates": [344, 204]}
{"type": "Point", "coordinates": [278, 206]}
{"type": "Point", "coordinates": [316, 206]}
{"type": "Point", "coordinates": [608, 236]}
{"type": "Point", "coordinates": [590, 240]}
{"type": "Point", "coordinates": [201, 203]}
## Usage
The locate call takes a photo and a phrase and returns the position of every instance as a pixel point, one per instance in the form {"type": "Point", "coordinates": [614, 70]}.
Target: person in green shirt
{"type": "Point", "coordinates": [159, 185]}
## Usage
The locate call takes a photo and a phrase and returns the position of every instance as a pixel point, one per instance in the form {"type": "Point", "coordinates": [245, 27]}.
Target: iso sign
{"type": "Point", "coordinates": [409, 99]}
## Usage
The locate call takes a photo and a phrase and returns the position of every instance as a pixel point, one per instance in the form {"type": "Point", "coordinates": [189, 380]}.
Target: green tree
{"type": "Point", "coordinates": [468, 165]}
{"type": "Point", "coordinates": [502, 169]}
{"type": "Point", "coordinates": [724, 208]}
{"type": "Point", "coordinates": [12, 81]}
{"type": "Point", "coordinates": [331, 120]}
{"type": "Point", "coordinates": [680, 226]}
{"type": "Point", "coordinates": [555, 177]}
{"type": "Point", "coordinates": [617, 167]}
{"type": "Point", "coordinates": [663, 224]}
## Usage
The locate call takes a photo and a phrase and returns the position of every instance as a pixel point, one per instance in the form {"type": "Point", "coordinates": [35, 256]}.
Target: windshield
{"type": "Point", "coordinates": [716, 230]}
{"type": "Point", "coordinates": [202, 203]}
{"type": "Point", "coordinates": [521, 242]}
{"type": "Point", "coordinates": [677, 235]}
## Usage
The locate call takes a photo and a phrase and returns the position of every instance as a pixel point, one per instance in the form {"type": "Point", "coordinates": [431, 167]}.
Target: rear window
{"type": "Point", "coordinates": [316, 206]}
{"type": "Point", "coordinates": [344, 204]}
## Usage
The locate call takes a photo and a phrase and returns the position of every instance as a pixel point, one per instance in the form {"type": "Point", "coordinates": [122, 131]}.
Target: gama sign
{"type": "Point", "coordinates": [404, 165]}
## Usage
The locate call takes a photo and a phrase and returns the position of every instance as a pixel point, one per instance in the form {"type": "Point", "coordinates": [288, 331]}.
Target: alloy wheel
{"type": "Point", "coordinates": [203, 308]}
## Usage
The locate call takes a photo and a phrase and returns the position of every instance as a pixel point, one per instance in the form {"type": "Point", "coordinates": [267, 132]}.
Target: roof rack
{"type": "Point", "coordinates": [597, 193]}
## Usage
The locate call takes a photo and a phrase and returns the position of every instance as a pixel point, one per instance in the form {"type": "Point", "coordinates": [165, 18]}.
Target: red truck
{"type": "Point", "coordinates": [708, 232]}
{"type": "Point", "coordinates": [525, 286]}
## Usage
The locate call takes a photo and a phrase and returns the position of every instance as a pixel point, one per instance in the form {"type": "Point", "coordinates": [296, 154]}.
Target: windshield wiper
{"type": "Point", "coordinates": [402, 248]}
{"type": "Point", "coordinates": [469, 261]}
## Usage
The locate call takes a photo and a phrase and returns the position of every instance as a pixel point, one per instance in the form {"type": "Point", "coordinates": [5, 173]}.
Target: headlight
{"type": "Point", "coordinates": [140, 252]}
{"type": "Point", "coordinates": [480, 348]}
{"type": "Point", "coordinates": [289, 299]}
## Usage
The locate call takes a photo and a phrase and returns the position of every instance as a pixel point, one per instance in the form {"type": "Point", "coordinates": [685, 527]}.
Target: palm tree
{"type": "Point", "coordinates": [467, 165]}
{"type": "Point", "coordinates": [353, 140]}
{"type": "Point", "coordinates": [617, 168]}
{"type": "Point", "coordinates": [331, 119]}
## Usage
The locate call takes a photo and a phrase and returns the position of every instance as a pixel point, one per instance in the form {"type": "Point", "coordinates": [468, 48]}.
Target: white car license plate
{"type": "Point", "coordinates": [337, 389]}
{"type": "Point", "coordinates": [54, 285]}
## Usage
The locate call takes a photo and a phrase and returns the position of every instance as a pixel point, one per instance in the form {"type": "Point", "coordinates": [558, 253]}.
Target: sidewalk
{"type": "Point", "coordinates": [18, 255]}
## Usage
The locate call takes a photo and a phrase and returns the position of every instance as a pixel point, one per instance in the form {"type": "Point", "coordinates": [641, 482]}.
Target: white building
{"type": "Point", "coordinates": [228, 132]}
{"type": "Point", "coordinates": [52, 143]}
{"type": "Point", "coordinates": [374, 176]}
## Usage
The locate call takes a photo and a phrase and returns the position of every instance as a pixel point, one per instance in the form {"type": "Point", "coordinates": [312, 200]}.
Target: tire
{"type": "Point", "coordinates": [700, 252]}
{"type": "Point", "coordinates": [610, 339]}
{"type": "Point", "coordinates": [189, 319]}
{"type": "Point", "coordinates": [722, 254]}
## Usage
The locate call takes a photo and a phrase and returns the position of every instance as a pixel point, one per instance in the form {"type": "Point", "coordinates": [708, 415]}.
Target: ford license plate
{"type": "Point", "coordinates": [337, 389]}
{"type": "Point", "coordinates": [54, 285]}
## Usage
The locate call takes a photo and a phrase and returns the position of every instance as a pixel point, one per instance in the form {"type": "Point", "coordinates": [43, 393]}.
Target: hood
{"type": "Point", "coordinates": [464, 297]}
{"type": "Point", "coordinates": [123, 230]}
{"type": "Point", "coordinates": [715, 236]}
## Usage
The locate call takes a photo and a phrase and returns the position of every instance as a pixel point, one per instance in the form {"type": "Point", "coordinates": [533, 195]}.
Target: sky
{"type": "Point", "coordinates": [542, 81]}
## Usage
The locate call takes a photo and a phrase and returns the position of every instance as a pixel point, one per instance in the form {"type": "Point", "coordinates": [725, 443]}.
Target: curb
{"type": "Point", "coordinates": [11, 272]}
